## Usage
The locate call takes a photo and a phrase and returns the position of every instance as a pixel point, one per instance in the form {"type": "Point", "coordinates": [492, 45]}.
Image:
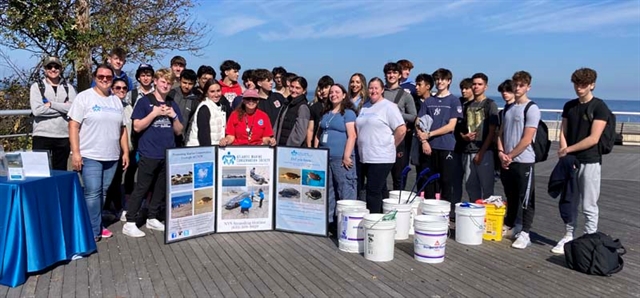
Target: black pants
{"type": "Point", "coordinates": [58, 147]}
{"type": "Point", "coordinates": [402, 160]}
{"type": "Point", "coordinates": [443, 162]}
{"type": "Point", "coordinates": [130, 174]}
{"type": "Point", "coordinates": [376, 175]}
{"type": "Point", "coordinates": [519, 188]}
{"type": "Point", "coordinates": [114, 193]}
{"type": "Point", "coordinates": [150, 171]}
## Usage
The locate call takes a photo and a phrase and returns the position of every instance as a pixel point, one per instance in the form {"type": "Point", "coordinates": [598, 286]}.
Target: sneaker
{"type": "Point", "coordinates": [510, 233]}
{"type": "Point", "coordinates": [154, 224]}
{"type": "Point", "coordinates": [522, 241]}
{"type": "Point", "coordinates": [106, 233]}
{"type": "Point", "coordinates": [559, 248]}
{"type": "Point", "coordinates": [130, 229]}
{"type": "Point", "coordinates": [123, 215]}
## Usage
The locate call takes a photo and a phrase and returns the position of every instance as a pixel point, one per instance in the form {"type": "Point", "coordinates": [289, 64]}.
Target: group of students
{"type": "Point", "coordinates": [371, 129]}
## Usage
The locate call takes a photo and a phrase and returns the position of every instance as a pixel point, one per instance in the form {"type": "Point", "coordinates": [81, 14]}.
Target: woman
{"type": "Point", "coordinates": [293, 121]}
{"type": "Point", "coordinates": [357, 90]}
{"type": "Point", "coordinates": [248, 125]}
{"type": "Point", "coordinates": [209, 120]}
{"type": "Point", "coordinates": [380, 129]}
{"type": "Point", "coordinates": [337, 132]}
{"type": "Point", "coordinates": [97, 147]}
{"type": "Point", "coordinates": [317, 107]}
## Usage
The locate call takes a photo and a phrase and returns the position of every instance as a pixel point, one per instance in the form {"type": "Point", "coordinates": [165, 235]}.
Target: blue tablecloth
{"type": "Point", "coordinates": [42, 221]}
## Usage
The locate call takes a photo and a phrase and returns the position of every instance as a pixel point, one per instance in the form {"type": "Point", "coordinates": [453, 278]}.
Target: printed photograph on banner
{"type": "Point", "coordinates": [289, 193]}
{"type": "Point", "coordinates": [204, 201]}
{"type": "Point", "coordinates": [234, 176]}
{"type": "Point", "coordinates": [181, 204]}
{"type": "Point", "coordinates": [203, 174]}
{"type": "Point", "coordinates": [258, 175]}
{"type": "Point", "coordinates": [181, 177]}
{"type": "Point", "coordinates": [314, 177]}
{"type": "Point", "coordinates": [289, 175]}
{"type": "Point", "coordinates": [312, 195]}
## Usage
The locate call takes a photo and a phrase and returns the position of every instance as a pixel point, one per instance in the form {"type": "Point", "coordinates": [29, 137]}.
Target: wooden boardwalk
{"type": "Point", "coordinates": [276, 264]}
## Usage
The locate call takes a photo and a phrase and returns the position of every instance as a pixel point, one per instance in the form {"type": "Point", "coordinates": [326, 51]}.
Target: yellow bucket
{"type": "Point", "coordinates": [493, 222]}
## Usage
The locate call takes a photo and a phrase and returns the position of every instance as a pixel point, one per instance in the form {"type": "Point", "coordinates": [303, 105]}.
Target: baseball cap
{"type": "Point", "coordinates": [251, 93]}
{"type": "Point", "coordinates": [50, 60]}
{"type": "Point", "coordinates": [142, 68]}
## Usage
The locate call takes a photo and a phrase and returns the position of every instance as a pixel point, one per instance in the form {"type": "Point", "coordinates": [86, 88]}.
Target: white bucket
{"type": "Point", "coordinates": [431, 238]}
{"type": "Point", "coordinates": [436, 207]}
{"type": "Point", "coordinates": [351, 230]}
{"type": "Point", "coordinates": [378, 243]}
{"type": "Point", "coordinates": [348, 204]}
{"type": "Point", "coordinates": [406, 195]}
{"type": "Point", "coordinates": [403, 217]}
{"type": "Point", "coordinates": [415, 206]}
{"type": "Point", "coordinates": [469, 223]}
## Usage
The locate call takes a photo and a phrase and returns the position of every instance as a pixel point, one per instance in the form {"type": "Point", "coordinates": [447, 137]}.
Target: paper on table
{"type": "Point", "coordinates": [35, 164]}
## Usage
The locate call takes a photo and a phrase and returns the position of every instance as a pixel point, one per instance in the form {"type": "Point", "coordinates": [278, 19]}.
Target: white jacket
{"type": "Point", "coordinates": [217, 123]}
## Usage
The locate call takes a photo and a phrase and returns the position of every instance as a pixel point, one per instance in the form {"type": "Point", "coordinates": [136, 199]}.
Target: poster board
{"type": "Point", "coordinates": [245, 189]}
{"type": "Point", "coordinates": [301, 193]}
{"type": "Point", "coordinates": [191, 177]}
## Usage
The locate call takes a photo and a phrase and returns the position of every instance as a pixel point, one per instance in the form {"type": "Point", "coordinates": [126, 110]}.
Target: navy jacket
{"type": "Point", "coordinates": [564, 182]}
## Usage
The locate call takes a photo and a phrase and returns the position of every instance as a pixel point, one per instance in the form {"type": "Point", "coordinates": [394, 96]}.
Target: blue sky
{"type": "Point", "coordinates": [550, 39]}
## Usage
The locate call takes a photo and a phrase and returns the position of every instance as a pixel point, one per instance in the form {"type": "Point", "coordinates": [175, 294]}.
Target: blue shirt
{"type": "Point", "coordinates": [335, 126]}
{"type": "Point", "coordinates": [159, 136]}
{"type": "Point", "coordinates": [441, 110]}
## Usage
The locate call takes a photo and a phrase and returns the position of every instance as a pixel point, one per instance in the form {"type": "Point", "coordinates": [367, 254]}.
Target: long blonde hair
{"type": "Point", "coordinates": [363, 93]}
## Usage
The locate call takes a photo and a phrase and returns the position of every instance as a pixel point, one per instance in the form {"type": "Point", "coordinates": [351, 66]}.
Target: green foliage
{"type": "Point", "coordinates": [15, 96]}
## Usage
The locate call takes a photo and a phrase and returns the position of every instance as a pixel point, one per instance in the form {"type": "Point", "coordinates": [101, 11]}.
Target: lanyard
{"type": "Point", "coordinates": [326, 126]}
{"type": "Point", "coordinates": [248, 129]}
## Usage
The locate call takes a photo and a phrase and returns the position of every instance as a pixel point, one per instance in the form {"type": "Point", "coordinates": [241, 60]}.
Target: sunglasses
{"type": "Point", "coordinates": [120, 88]}
{"type": "Point", "coordinates": [251, 99]}
{"type": "Point", "coordinates": [102, 78]}
{"type": "Point", "coordinates": [52, 66]}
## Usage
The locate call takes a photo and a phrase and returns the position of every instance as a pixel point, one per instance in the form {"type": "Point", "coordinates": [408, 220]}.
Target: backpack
{"type": "Point", "coordinates": [541, 143]}
{"type": "Point", "coordinates": [609, 135]}
{"type": "Point", "coordinates": [63, 83]}
{"type": "Point", "coordinates": [595, 254]}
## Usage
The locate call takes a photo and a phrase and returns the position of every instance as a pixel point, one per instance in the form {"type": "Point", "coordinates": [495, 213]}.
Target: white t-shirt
{"type": "Point", "coordinates": [101, 121]}
{"type": "Point", "coordinates": [375, 125]}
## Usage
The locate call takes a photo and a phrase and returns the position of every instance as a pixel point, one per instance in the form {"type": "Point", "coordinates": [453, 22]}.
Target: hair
{"type": "Point", "coordinates": [262, 74]}
{"type": "Point", "coordinates": [278, 70]}
{"type": "Point", "coordinates": [248, 75]}
{"type": "Point", "coordinates": [480, 75]}
{"type": "Point", "coordinates": [289, 76]}
{"type": "Point", "coordinates": [376, 79]}
{"type": "Point", "coordinates": [364, 92]}
{"type": "Point", "coordinates": [207, 85]}
{"type": "Point", "coordinates": [105, 66]}
{"type": "Point", "coordinates": [118, 52]}
{"type": "Point", "coordinates": [423, 77]}
{"type": "Point", "coordinates": [206, 69]}
{"type": "Point", "coordinates": [405, 64]}
{"type": "Point", "coordinates": [345, 104]}
{"type": "Point", "coordinates": [228, 65]}
{"type": "Point", "coordinates": [442, 73]}
{"type": "Point", "coordinates": [521, 77]}
{"type": "Point", "coordinates": [115, 80]}
{"type": "Point", "coordinates": [165, 73]}
{"type": "Point", "coordinates": [179, 60]}
{"type": "Point", "coordinates": [391, 66]}
{"type": "Point", "coordinates": [466, 83]}
{"type": "Point", "coordinates": [324, 82]}
{"type": "Point", "coordinates": [189, 75]}
{"type": "Point", "coordinates": [584, 76]}
{"type": "Point", "coordinates": [506, 86]}
{"type": "Point", "coordinates": [301, 80]}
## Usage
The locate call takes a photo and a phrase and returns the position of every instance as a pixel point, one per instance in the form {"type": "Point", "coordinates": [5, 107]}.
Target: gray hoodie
{"type": "Point", "coordinates": [405, 104]}
{"type": "Point", "coordinates": [51, 121]}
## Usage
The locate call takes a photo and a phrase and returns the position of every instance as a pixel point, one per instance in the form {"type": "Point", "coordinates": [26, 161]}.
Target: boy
{"type": "Point", "coordinates": [579, 137]}
{"type": "Point", "coordinates": [205, 73]}
{"type": "Point", "coordinates": [247, 81]}
{"type": "Point", "coordinates": [158, 121]}
{"type": "Point", "coordinates": [186, 99]}
{"type": "Point", "coordinates": [117, 59]}
{"type": "Point", "coordinates": [405, 81]}
{"type": "Point", "coordinates": [278, 78]}
{"type": "Point", "coordinates": [230, 88]}
{"type": "Point", "coordinates": [144, 76]}
{"type": "Point", "coordinates": [178, 64]}
{"type": "Point", "coordinates": [518, 159]}
{"type": "Point", "coordinates": [271, 102]}
{"type": "Point", "coordinates": [461, 127]}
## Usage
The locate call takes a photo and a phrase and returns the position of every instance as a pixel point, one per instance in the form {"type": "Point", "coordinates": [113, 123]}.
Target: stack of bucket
{"type": "Point", "coordinates": [350, 214]}
{"type": "Point", "coordinates": [403, 197]}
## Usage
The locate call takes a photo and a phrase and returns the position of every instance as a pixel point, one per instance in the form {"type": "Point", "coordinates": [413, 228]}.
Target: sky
{"type": "Point", "coordinates": [549, 39]}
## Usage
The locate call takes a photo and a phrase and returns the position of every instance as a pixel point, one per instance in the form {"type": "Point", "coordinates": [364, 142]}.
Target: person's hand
{"type": "Point", "coordinates": [347, 162]}
{"type": "Point", "coordinates": [48, 104]}
{"type": "Point", "coordinates": [478, 158]}
{"type": "Point", "coordinates": [505, 160]}
{"type": "Point", "coordinates": [223, 142]}
{"type": "Point", "coordinates": [469, 137]}
{"type": "Point", "coordinates": [562, 152]}
{"type": "Point", "coordinates": [272, 141]}
{"type": "Point", "coordinates": [426, 148]}
{"type": "Point", "coordinates": [76, 162]}
{"type": "Point", "coordinates": [421, 135]}
{"type": "Point", "coordinates": [157, 111]}
{"type": "Point", "coordinates": [169, 112]}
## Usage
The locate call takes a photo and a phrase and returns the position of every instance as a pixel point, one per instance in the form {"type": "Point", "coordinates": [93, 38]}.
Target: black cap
{"type": "Point", "coordinates": [142, 68]}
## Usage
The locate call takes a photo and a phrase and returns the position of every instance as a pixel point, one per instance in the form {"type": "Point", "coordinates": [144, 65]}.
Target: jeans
{"type": "Point", "coordinates": [376, 175]}
{"type": "Point", "coordinates": [341, 184]}
{"type": "Point", "coordinates": [96, 176]}
{"type": "Point", "coordinates": [479, 179]}
{"type": "Point", "coordinates": [58, 147]}
{"type": "Point", "coordinates": [150, 172]}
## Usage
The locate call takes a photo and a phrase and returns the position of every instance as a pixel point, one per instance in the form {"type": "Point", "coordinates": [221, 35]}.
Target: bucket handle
{"type": "Point", "coordinates": [475, 222]}
{"type": "Point", "coordinates": [385, 217]}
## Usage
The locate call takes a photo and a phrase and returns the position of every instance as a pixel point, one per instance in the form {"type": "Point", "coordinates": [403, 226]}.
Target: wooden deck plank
{"type": "Point", "coordinates": [196, 283]}
{"type": "Point", "coordinates": [82, 277]}
{"type": "Point", "coordinates": [236, 266]}
{"type": "Point", "coordinates": [217, 255]}
{"type": "Point", "coordinates": [174, 265]}
{"type": "Point", "coordinates": [104, 265]}
{"type": "Point", "coordinates": [29, 287]}
{"type": "Point", "coordinates": [96, 288]}
{"type": "Point", "coordinates": [150, 281]}
{"type": "Point", "coordinates": [42, 288]}
{"type": "Point", "coordinates": [202, 250]}
{"type": "Point", "coordinates": [171, 285]}
{"type": "Point", "coordinates": [56, 281]}
{"type": "Point", "coordinates": [69, 280]}
{"type": "Point", "coordinates": [125, 263]}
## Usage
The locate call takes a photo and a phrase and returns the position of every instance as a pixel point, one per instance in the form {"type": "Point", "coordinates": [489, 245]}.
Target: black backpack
{"type": "Point", "coordinates": [609, 135]}
{"type": "Point", "coordinates": [595, 254]}
{"type": "Point", "coordinates": [541, 143]}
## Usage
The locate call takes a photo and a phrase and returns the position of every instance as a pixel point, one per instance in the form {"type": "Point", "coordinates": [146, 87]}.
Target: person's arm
{"type": "Point", "coordinates": [597, 127]}
{"type": "Point", "coordinates": [74, 142]}
{"type": "Point", "coordinates": [527, 138]}
{"type": "Point", "coordinates": [124, 144]}
{"type": "Point", "coordinates": [563, 139]}
{"type": "Point", "coordinates": [140, 125]}
{"type": "Point", "coordinates": [63, 107]}
{"type": "Point", "coordinates": [310, 138]}
{"type": "Point", "coordinates": [299, 131]}
{"type": "Point", "coordinates": [449, 127]}
{"type": "Point", "coordinates": [351, 142]}
{"type": "Point", "coordinates": [410, 112]}
{"type": "Point", "coordinates": [398, 134]}
{"type": "Point", "coordinates": [38, 108]}
{"type": "Point", "coordinates": [176, 119]}
{"type": "Point", "coordinates": [204, 129]}
{"type": "Point", "coordinates": [504, 158]}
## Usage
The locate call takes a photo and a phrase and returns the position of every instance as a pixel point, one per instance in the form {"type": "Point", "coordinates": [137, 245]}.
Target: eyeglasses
{"type": "Point", "coordinates": [119, 88]}
{"type": "Point", "coordinates": [102, 78]}
{"type": "Point", "coordinates": [251, 99]}
{"type": "Point", "coordinates": [52, 66]}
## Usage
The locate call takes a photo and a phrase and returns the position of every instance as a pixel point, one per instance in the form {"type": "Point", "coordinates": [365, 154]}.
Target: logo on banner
{"type": "Point", "coordinates": [294, 153]}
{"type": "Point", "coordinates": [228, 159]}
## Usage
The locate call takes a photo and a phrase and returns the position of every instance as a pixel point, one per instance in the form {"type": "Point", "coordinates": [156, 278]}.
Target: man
{"type": "Point", "coordinates": [178, 64]}
{"type": "Point", "coordinates": [579, 137]}
{"type": "Point", "coordinates": [406, 83]}
{"type": "Point", "coordinates": [117, 59]}
{"type": "Point", "coordinates": [481, 115]}
{"type": "Point", "coordinates": [144, 76]}
{"type": "Point", "coordinates": [50, 101]}
{"type": "Point", "coordinates": [187, 101]}
{"type": "Point", "coordinates": [205, 73]}
{"type": "Point", "coordinates": [248, 82]}
{"type": "Point", "coordinates": [159, 121]}
{"type": "Point", "coordinates": [438, 143]}
{"type": "Point", "coordinates": [230, 88]}
{"type": "Point", "coordinates": [461, 127]}
{"type": "Point", "coordinates": [518, 159]}
{"type": "Point", "coordinates": [271, 102]}
{"type": "Point", "coordinates": [278, 74]}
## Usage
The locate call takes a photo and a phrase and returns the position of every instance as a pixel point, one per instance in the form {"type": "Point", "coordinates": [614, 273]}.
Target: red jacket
{"type": "Point", "coordinates": [230, 92]}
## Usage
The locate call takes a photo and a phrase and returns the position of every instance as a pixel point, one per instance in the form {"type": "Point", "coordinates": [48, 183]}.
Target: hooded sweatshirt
{"type": "Point", "coordinates": [51, 122]}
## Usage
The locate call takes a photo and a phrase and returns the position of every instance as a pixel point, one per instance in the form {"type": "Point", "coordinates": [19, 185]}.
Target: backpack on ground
{"type": "Point", "coordinates": [541, 143]}
{"type": "Point", "coordinates": [609, 136]}
{"type": "Point", "coordinates": [595, 254]}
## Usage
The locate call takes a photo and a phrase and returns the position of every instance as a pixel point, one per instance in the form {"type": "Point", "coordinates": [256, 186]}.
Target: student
{"type": "Point", "coordinates": [249, 125]}
{"type": "Point", "coordinates": [159, 121]}
{"type": "Point", "coordinates": [438, 143]}
{"type": "Point", "coordinates": [270, 102]}
{"type": "Point", "coordinates": [405, 81]}
{"type": "Point", "coordinates": [579, 137]}
{"type": "Point", "coordinates": [358, 90]}
{"type": "Point", "coordinates": [481, 115]}
{"type": "Point", "coordinates": [293, 119]}
{"type": "Point", "coordinates": [178, 64]}
{"type": "Point", "coordinates": [406, 105]}
{"type": "Point", "coordinates": [461, 127]}
{"type": "Point", "coordinates": [117, 59]}
{"type": "Point", "coordinates": [518, 159]}
{"type": "Point", "coordinates": [144, 76]}
{"type": "Point", "coordinates": [205, 73]}
{"type": "Point", "coordinates": [248, 82]}
{"type": "Point", "coordinates": [320, 100]}
{"type": "Point", "coordinates": [210, 117]}
{"type": "Point", "coordinates": [187, 101]}
{"type": "Point", "coordinates": [278, 74]}
{"type": "Point", "coordinates": [506, 91]}
{"type": "Point", "coordinates": [426, 85]}
{"type": "Point", "coordinates": [50, 101]}
{"type": "Point", "coordinates": [230, 88]}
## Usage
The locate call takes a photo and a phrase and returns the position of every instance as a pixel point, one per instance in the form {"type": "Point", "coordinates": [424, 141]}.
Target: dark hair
{"type": "Point", "coordinates": [189, 75]}
{"type": "Point", "coordinates": [115, 80]}
{"type": "Point", "coordinates": [119, 52]}
{"type": "Point", "coordinates": [178, 60]}
{"type": "Point", "coordinates": [301, 80]}
{"type": "Point", "coordinates": [325, 81]}
{"type": "Point", "coordinates": [423, 77]}
{"type": "Point", "coordinates": [248, 75]}
{"type": "Point", "coordinates": [506, 86]}
{"type": "Point", "coordinates": [376, 79]}
{"type": "Point", "coordinates": [262, 74]}
{"type": "Point", "coordinates": [480, 75]}
{"type": "Point", "coordinates": [391, 66]}
{"type": "Point", "coordinates": [442, 73]}
{"type": "Point", "coordinates": [466, 83]}
{"type": "Point", "coordinates": [405, 64]}
{"type": "Point", "coordinates": [228, 65]}
{"type": "Point", "coordinates": [205, 69]}
{"type": "Point", "coordinates": [105, 66]}
{"type": "Point", "coordinates": [345, 104]}
{"type": "Point", "coordinates": [584, 76]}
{"type": "Point", "coordinates": [207, 85]}
{"type": "Point", "coordinates": [278, 70]}
{"type": "Point", "coordinates": [521, 77]}
{"type": "Point", "coordinates": [289, 76]}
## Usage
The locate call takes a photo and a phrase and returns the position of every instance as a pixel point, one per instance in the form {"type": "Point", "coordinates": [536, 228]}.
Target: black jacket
{"type": "Point", "coordinates": [564, 182]}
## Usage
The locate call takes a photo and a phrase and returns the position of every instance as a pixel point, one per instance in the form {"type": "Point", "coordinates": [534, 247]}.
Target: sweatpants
{"type": "Point", "coordinates": [440, 161]}
{"type": "Point", "coordinates": [478, 179]}
{"type": "Point", "coordinates": [150, 171]}
{"type": "Point", "coordinates": [589, 188]}
{"type": "Point", "coordinates": [519, 188]}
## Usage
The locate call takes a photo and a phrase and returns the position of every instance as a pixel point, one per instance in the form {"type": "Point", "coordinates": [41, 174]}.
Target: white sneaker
{"type": "Point", "coordinates": [154, 224]}
{"type": "Point", "coordinates": [559, 248]}
{"type": "Point", "coordinates": [130, 229]}
{"type": "Point", "coordinates": [522, 241]}
{"type": "Point", "coordinates": [123, 215]}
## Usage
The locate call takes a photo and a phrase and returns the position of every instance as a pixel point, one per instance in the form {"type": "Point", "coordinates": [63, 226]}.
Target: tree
{"type": "Point", "coordinates": [79, 31]}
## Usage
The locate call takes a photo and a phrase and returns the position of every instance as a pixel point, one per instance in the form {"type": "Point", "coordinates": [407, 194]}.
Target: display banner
{"type": "Point", "coordinates": [301, 193]}
{"type": "Point", "coordinates": [245, 189]}
{"type": "Point", "coordinates": [191, 184]}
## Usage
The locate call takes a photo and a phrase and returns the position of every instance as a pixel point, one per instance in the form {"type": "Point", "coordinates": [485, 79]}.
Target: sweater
{"type": "Point", "coordinates": [564, 182]}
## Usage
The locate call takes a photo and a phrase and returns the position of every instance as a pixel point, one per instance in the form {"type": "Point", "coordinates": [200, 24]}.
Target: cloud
{"type": "Point", "coordinates": [236, 24]}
